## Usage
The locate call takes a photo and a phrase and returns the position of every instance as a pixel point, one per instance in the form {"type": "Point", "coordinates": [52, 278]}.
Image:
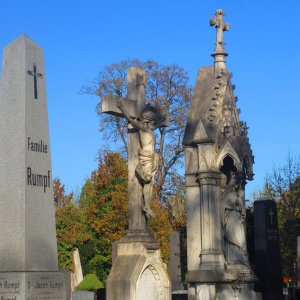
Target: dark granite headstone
{"type": "Point", "coordinates": [180, 295]}
{"type": "Point", "coordinates": [298, 262]}
{"type": "Point", "coordinates": [175, 263]}
{"type": "Point", "coordinates": [267, 251]}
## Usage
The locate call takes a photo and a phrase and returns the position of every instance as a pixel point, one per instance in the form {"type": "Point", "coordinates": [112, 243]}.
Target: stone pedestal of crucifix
{"type": "Point", "coordinates": [138, 271]}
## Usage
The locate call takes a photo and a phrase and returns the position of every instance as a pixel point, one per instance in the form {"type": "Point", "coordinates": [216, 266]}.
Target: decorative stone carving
{"type": "Point", "coordinates": [148, 158]}
{"type": "Point", "coordinates": [228, 150]}
{"type": "Point", "coordinates": [207, 158]}
{"type": "Point", "coordinates": [219, 53]}
{"type": "Point", "coordinates": [221, 26]}
{"type": "Point", "coordinates": [234, 215]}
{"type": "Point", "coordinates": [218, 266]}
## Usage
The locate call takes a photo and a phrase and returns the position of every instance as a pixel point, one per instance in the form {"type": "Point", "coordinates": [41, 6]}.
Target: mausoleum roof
{"type": "Point", "coordinates": [214, 116]}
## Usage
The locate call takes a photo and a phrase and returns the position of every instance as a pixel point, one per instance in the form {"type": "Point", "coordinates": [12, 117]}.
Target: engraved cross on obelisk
{"type": "Point", "coordinates": [219, 53]}
{"type": "Point", "coordinates": [134, 103]}
{"type": "Point", "coordinates": [35, 75]}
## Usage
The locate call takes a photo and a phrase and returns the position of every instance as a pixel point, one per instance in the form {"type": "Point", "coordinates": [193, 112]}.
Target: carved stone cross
{"type": "Point", "coordinates": [221, 26]}
{"type": "Point", "coordinates": [134, 103]}
{"type": "Point", "coordinates": [35, 76]}
{"type": "Point", "coordinates": [271, 215]}
{"type": "Point", "coordinates": [139, 190]}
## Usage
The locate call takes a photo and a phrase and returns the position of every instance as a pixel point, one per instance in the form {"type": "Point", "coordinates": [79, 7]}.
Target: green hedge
{"type": "Point", "coordinates": [90, 282]}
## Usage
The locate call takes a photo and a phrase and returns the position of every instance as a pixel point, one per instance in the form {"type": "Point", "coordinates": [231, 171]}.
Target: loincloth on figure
{"type": "Point", "coordinates": [148, 162]}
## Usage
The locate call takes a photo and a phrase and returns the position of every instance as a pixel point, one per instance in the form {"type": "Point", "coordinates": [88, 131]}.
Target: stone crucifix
{"type": "Point", "coordinates": [142, 159]}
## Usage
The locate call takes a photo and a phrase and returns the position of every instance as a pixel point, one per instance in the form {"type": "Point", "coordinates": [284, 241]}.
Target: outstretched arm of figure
{"type": "Point", "coordinates": [133, 122]}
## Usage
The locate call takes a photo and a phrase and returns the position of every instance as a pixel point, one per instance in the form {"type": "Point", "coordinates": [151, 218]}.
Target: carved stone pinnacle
{"type": "Point", "coordinates": [219, 53]}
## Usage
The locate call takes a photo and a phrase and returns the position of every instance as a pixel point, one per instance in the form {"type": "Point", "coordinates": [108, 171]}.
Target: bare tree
{"type": "Point", "coordinates": [282, 177]}
{"type": "Point", "coordinates": [167, 86]}
{"type": "Point", "coordinates": [283, 184]}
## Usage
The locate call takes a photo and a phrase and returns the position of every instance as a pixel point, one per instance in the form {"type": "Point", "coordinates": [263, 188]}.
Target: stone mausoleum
{"type": "Point", "coordinates": [219, 162]}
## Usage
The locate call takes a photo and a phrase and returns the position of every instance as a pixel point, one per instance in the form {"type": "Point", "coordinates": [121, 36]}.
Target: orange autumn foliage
{"type": "Point", "coordinates": [70, 229]}
{"type": "Point", "coordinates": [104, 201]}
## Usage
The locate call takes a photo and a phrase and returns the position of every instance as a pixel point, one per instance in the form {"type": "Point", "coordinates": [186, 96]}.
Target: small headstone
{"type": "Point", "coordinates": [267, 251]}
{"type": "Point", "coordinates": [76, 276]}
{"type": "Point", "coordinates": [83, 295]}
{"type": "Point", "coordinates": [175, 262]}
{"type": "Point", "coordinates": [28, 248]}
{"type": "Point", "coordinates": [298, 262]}
{"type": "Point", "coordinates": [180, 295]}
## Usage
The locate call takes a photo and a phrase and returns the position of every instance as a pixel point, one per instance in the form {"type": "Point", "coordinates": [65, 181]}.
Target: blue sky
{"type": "Point", "coordinates": [82, 37]}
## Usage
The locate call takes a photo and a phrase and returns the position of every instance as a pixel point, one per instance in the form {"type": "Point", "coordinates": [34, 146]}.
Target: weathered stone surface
{"type": "Point", "coordinates": [77, 275]}
{"type": "Point", "coordinates": [82, 295]}
{"type": "Point", "coordinates": [28, 249]}
{"type": "Point", "coordinates": [219, 161]}
{"type": "Point", "coordinates": [138, 273]}
{"type": "Point", "coordinates": [175, 261]}
{"type": "Point", "coordinates": [110, 105]}
{"type": "Point", "coordinates": [27, 221]}
{"type": "Point", "coordinates": [134, 102]}
{"type": "Point", "coordinates": [32, 285]}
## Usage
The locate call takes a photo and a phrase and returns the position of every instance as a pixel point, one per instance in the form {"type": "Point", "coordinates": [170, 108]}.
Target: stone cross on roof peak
{"type": "Point", "coordinates": [219, 53]}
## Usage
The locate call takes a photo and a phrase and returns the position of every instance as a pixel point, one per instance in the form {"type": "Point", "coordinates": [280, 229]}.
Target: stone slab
{"type": "Point", "coordinates": [27, 216]}
{"type": "Point", "coordinates": [180, 295]}
{"type": "Point", "coordinates": [267, 250]}
{"type": "Point", "coordinates": [205, 276]}
{"type": "Point", "coordinates": [175, 261]}
{"type": "Point", "coordinates": [32, 286]}
{"type": "Point", "coordinates": [298, 262]}
{"type": "Point", "coordinates": [77, 275]}
{"type": "Point", "coordinates": [83, 295]}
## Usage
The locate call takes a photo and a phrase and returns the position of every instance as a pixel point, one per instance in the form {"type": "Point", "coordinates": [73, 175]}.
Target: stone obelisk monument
{"type": "Point", "coordinates": [138, 271]}
{"type": "Point", "coordinates": [28, 249]}
{"type": "Point", "coordinates": [218, 164]}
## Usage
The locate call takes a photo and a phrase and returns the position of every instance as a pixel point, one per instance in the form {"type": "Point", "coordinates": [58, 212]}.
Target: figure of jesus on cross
{"type": "Point", "coordinates": [142, 157]}
{"type": "Point", "coordinates": [148, 158]}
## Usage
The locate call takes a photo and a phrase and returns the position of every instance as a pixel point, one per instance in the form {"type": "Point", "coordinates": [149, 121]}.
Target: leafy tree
{"type": "Point", "coordinates": [161, 227]}
{"type": "Point", "coordinates": [283, 184]}
{"type": "Point", "coordinates": [70, 230]}
{"type": "Point", "coordinates": [60, 197]}
{"type": "Point", "coordinates": [166, 86]}
{"type": "Point", "coordinates": [289, 226]}
{"type": "Point", "coordinates": [104, 202]}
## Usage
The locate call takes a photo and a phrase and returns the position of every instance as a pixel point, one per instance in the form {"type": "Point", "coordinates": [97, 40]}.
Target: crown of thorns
{"type": "Point", "coordinates": [149, 113]}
